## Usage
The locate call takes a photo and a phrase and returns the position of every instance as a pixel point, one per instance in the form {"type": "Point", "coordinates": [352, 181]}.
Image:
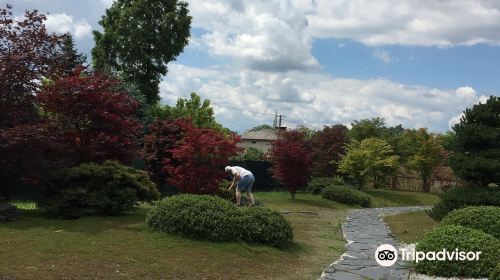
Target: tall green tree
{"type": "Point", "coordinates": [140, 38]}
{"type": "Point", "coordinates": [260, 127]}
{"type": "Point", "coordinates": [367, 128]}
{"type": "Point", "coordinates": [199, 111]}
{"type": "Point", "coordinates": [372, 158]}
{"type": "Point", "coordinates": [70, 58]}
{"type": "Point", "coordinates": [253, 154]}
{"type": "Point", "coordinates": [475, 144]}
{"type": "Point", "coordinates": [423, 153]}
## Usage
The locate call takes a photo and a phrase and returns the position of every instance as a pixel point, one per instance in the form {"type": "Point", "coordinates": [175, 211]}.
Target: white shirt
{"type": "Point", "coordinates": [240, 170]}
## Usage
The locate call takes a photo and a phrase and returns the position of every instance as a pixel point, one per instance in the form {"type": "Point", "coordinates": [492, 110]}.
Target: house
{"type": "Point", "coordinates": [261, 139]}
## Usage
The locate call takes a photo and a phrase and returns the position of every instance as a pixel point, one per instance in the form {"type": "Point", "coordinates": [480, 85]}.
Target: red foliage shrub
{"type": "Point", "coordinates": [191, 159]}
{"type": "Point", "coordinates": [163, 136]}
{"type": "Point", "coordinates": [29, 151]}
{"type": "Point", "coordinates": [98, 122]}
{"type": "Point", "coordinates": [27, 53]}
{"type": "Point", "coordinates": [327, 148]}
{"type": "Point", "coordinates": [291, 161]}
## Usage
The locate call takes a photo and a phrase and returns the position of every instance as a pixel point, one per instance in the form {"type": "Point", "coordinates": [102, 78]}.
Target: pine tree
{"type": "Point", "coordinates": [476, 144]}
{"type": "Point", "coordinates": [70, 58]}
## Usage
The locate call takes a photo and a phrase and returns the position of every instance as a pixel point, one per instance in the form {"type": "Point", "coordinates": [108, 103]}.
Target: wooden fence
{"type": "Point", "coordinates": [407, 181]}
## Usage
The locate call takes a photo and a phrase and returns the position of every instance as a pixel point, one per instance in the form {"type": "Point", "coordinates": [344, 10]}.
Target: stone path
{"type": "Point", "coordinates": [364, 231]}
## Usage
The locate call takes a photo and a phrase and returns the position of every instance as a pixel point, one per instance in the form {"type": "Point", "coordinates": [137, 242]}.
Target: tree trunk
{"type": "Point", "coordinates": [293, 194]}
{"type": "Point", "coordinates": [426, 186]}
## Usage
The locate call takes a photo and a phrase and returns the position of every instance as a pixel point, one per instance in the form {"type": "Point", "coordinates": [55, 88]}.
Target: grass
{"type": "Point", "coordinates": [122, 247]}
{"type": "Point", "coordinates": [387, 198]}
{"type": "Point", "coordinates": [24, 205]}
{"type": "Point", "coordinates": [410, 227]}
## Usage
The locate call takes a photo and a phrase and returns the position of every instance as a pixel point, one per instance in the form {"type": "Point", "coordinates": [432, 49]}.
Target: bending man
{"type": "Point", "coordinates": [243, 179]}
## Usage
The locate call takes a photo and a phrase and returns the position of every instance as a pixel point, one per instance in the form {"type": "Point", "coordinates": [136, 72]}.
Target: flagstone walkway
{"type": "Point", "coordinates": [364, 231]}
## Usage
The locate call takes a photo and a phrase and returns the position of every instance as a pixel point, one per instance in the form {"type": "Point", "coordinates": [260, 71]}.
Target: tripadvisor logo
{"type": "Point", "coordinates": [387, 255]}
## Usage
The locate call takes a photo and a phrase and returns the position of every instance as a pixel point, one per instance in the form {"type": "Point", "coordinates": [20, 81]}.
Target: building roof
{"type": "Point", "coordinates": [263, 134]}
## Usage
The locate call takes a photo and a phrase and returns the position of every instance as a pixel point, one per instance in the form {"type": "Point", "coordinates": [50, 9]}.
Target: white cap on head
{"type": "Point", "coordinates": [227, 168]}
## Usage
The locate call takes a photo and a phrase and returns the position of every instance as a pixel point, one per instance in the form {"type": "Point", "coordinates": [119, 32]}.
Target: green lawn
{"type": "Point", "coordinates": [124, 248]}
{"type": "Point", "coordinates": [410, 227]}
{"type": "Point", "coordinates": [386, 198]}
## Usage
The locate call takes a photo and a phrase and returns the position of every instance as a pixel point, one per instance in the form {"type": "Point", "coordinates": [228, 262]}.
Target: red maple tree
{"type": "Point", "coordinates": [189, 158]}
{"type": "Point", "coordinates": [291, 161]}
{"type": "Point", "coordinates": [27, 55]}
{"type": "Point", "coordinates": [99, 123]}
{"type": "Point", "coordinates": [162, 137]}
{"type": "Point", "coordinates": [327, 148]}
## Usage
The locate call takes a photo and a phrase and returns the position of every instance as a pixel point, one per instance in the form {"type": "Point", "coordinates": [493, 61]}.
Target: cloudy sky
{"type": "Point", "coordinates": [419, 63]}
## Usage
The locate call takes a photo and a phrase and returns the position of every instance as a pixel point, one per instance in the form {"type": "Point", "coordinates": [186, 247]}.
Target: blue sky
{"type": "Point", "coordinates": [322, 62]}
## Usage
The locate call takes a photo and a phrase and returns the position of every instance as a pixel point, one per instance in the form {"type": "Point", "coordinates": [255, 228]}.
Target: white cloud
{"type": "Point", "coordinates": [412, 22]}
{"type": "Point", "coordinates": [260, 35]}
{"type": "Point", "coordinates": [466, 91]}
{"type": "Point", "coordinates": [277, 35]}
{"type": "Point", "coordinates": [385, 56]}
{"type": "Point", "coordinates": [107, 3]}
{"type": "Point", "coordinates": [63, 23]}
{"type": "Point", "coordinates": [249, 97]}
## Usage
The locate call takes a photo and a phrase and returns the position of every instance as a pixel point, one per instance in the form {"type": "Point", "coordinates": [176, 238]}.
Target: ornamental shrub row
{"type": "Point", "coordinates": [346, 195]}
{"type": "Point", "coordinates": [460, 197]}
{"type": "Point", "coordinates": [483, 218]}
{"type": "Point", "coordinates": [317, 184]}
{"type": "Point", "coordinates": [452, 237]}
{"type": "Point", "coordinates": [215, 219]}
{"type": "Point", "coordinates": [102, 189]}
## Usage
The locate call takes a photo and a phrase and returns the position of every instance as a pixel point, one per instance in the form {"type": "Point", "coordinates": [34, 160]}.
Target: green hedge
{"type": "Point", "coordinates": [264, 225]}
{"type": "Point", "coordinates": [346, 195]}
{"type": "Point", "coordinates": [495, 273]}
{"type": "Point", "coordinates": [213, 218]}
{"type": "Point", "coordinates": [317, 184]}
{"type": "Point", "coordinates": [195, 216]}
{"type": "Point", "coordinates": [460, 197]}
{"type": "Point", "coordinates": [451, 237]}
{"type": "Point", "coordinates": [483, 218]}
{"type": "Point", "coordinates": [103, 189]}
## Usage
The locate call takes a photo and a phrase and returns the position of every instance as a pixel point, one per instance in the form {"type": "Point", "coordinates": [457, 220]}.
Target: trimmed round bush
{"type": "Point", "coordinates": [103, 189]}
{"type": "Point", "coordinates": [495, 273]}
{"type": "Point", "coordinates": [212, 218]}
{"type": "Point", "coordinates": [483, 218]}
{"type": "Point", "coordinates": [265, 225]}
{"type": "Point", "coordinates": [196, 216]}
{"type": "Point", "coordinates": [346, 195]}
{"type": "Point", "coordinates": [452, 237]}
{"type": "Point", "coordinates": [317, 184]}
{"type": "Point", "coordinates": [460, 197]}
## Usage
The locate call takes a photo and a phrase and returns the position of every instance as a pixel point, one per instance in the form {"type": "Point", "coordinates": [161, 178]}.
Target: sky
{"type": "Point", "coordinates": [419, 63]}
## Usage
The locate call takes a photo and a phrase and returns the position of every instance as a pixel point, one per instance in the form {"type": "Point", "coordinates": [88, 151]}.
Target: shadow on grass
{"type": "Point", "coordinates": [320, 203]}
{"type": "Point", "coordinates": [30, 219]}
{"type": "Point", "coordinates": [381, 198]}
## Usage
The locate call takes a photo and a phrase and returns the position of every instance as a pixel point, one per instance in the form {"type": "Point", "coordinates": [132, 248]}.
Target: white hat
{"type": "Point", "coordinates": [227, 168]}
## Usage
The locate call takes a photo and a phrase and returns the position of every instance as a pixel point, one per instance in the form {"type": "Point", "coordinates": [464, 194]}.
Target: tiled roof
{"type": "Point", "coordinates": [263, 134]}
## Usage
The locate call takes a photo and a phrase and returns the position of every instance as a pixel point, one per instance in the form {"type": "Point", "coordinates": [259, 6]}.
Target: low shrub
{"type": "Point", "coordinates": [460, 197]}
{"type": "Point", "coordinates": [483, 218]}
{"type": "Point", "coordinates": [224, 193]}
{"type": "Point", "coordinates": [317, 184]}
{"type": "Point", "coordinates": [451, 237]}
{"type": "Point", "coordinates": [103, 189]}
{"type": "Point", "coordinates": [495, 273]}
{"type": "Point", "coordinates": [265, 225]}
{"type": "Point", "coordinates": [195, 216]}
{"type": "Point", "coordinates": [215, 219]}
{"type": "Point", "coordinates": [346, 195]}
